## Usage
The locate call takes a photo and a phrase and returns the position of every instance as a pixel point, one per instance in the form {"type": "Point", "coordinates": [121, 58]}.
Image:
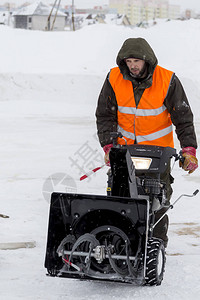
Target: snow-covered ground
{"type": "Point", "coordinates": [49, 84]}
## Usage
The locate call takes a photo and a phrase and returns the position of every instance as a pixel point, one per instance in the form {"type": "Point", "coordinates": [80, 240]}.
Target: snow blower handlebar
{"type": "Point", "coordinates": [114, 136]}
{"type": "Point", "coordinates": [91, 172]}
{"type": "Point", "coordinates": [179, 157]}
{"type": "Point", "coordinates": [172, 206]}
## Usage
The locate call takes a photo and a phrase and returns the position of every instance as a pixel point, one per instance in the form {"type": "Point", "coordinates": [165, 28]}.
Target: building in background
{"type": "Point", "coordinates": [35, 17]}
{"type": "Point", "coordinates": [174, 12]}
{"type": "Point", "coordinates": [142, 11]}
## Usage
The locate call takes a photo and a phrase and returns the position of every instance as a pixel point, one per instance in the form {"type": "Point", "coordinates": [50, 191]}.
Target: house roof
{"type": "Point", "coordinates": [37, 8]}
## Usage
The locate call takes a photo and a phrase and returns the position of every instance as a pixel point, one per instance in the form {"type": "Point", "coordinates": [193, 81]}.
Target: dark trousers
{"type": "Point", "coordinates": [161, 229]}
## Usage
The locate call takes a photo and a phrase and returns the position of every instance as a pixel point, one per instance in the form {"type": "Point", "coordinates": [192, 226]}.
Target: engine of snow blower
{"type": "Point", "coordinates": [110, 237]}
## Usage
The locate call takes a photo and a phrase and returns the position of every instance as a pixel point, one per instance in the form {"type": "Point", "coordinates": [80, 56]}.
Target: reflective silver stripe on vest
{"type": "Point", "coordinates": [142, 112]}
{"type": "Point", "coordinates": [127, 110]}
{"type": "Point", "coordinates": [125, 133]}
{"type": "Point", "coordinates": [155, 135]}
{"type": "Point", "coordinates": [150, 112]}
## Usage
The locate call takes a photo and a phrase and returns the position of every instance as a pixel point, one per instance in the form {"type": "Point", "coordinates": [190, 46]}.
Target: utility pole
{"type": "Point", "coordinates": [9, 13]}
{"type": "Point", "coordinates": [58, 5]}
{"type": "Point", "coordinates": [49, 17]}
{"type": "Point", "coordinates": [73, 25]}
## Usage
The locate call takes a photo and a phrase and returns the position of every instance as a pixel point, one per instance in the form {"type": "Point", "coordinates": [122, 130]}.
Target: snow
{"type": "Point", "coordinates": [49, 85]}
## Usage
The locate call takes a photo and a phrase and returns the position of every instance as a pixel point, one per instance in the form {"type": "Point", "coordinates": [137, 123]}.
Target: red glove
{"type": "Point", "coordinates": [190, 162]}
{"type": "Point", "coordinates": [106, 149]}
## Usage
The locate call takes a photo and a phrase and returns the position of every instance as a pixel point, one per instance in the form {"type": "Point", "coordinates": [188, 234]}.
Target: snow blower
{"type": "Point", "coordinates": [111, 237]}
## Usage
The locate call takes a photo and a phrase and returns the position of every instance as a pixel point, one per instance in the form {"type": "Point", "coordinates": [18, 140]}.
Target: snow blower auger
{"type": "Point", "coordinates": [111, 237]}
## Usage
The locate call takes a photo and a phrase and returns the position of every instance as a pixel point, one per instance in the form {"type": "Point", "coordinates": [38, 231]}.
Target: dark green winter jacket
{"type": "Point", "coordinates": [176, 101]}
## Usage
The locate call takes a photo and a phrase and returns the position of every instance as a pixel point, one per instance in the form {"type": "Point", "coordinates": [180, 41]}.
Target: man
{"type": "Point", "coordinates": [142, 100]}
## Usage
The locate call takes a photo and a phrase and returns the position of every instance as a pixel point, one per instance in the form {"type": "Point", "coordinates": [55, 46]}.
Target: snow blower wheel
{"type": "Point", "coordinates": [155, 262]}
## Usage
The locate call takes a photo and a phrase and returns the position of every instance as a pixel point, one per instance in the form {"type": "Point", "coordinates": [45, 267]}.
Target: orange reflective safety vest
{"type": "Point", "coordinates": [149, 123]}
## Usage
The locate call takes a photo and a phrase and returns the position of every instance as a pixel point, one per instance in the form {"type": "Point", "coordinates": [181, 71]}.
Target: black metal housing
{"type": "Point", "coordinates": [78, 214]}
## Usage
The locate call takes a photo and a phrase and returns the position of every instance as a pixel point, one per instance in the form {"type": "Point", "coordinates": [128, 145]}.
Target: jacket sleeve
{"type": "Point", "coordinates": [106, 113]}
{"type": "Point", "coordinates": [181, 114]}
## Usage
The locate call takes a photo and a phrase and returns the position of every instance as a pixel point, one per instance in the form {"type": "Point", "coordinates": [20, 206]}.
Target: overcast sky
{"type": "Point", "coordinates": [192, 4]}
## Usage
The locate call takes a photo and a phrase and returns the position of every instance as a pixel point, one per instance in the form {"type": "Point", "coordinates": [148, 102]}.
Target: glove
{"type": "Point", "coordinates": [106, 149]}
{"type": "Point", "coordinates": [190, 162]}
